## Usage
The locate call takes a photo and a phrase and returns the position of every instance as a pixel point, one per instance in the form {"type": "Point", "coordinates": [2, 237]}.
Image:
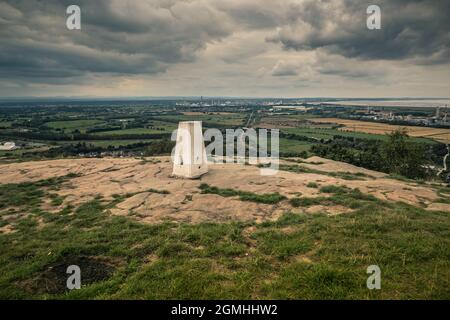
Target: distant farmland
{"type": "Point", "coordinates": [441, 135]}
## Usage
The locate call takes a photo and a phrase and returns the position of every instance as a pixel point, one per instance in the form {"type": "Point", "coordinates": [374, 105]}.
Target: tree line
{"type": "Point", "coordinates": [398, 154]}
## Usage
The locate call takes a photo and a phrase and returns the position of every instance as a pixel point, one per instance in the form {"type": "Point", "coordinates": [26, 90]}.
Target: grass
{"type": "Point", "coordinates": [342, 175]}
{"type": "Point", "coordinates": [340, 195]}
{"type": "Point", "coordinates": [151, 190]}
{"type": "Point", "coordinates": [444, 194]}
{"type": "Point", "coordinates": [30, 194]}
{"type": "Point", "coordinates": [56, 200]}
{"type": "Point", "coordinates": [280, 245]}
{"type": "Point", "coordinates": [293, 146]}
{"type": "Point", "coordinates": [350, 175]}
{"type": "Point", "coordinates": [312, 185]}
{"type": "Point", "coordinates": [118, 198]}
{"type": "Point", "coordinates": [302, 161]}
{"type": "Point", "coordinates": [267, 198]}
{"type": "Point", "coordinates": [300, 169]}
{"type": "Point", "coordinates": [334, 189]}
{"type": "Point", "coordinates": [298, 256]}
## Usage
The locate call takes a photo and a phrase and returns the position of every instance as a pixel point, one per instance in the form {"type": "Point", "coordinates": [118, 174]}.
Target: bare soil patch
{"type": "Point", "coordinates": [52, 279]}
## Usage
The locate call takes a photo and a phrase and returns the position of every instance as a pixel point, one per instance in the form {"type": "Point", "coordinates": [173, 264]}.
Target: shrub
{"type": "Point", "coordinates": [312, 185]}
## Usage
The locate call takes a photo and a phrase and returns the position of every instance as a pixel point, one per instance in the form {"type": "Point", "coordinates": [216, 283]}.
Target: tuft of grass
{"type": "Point", "coordinates": [350, 175]}
{"type": "Point", "coordinates": [73, 175]}
{"type": "Point", "coordinates": [334, 189]}
{"type": "Point", "coordinates": [118, 198]}
{"type": "Point", "coordinates": [151, 190]}
{"type": "Point", "coordinates": [188, 198]}
{"type": "Point", "coordinates": [56, 200]}
{"type": "Point", "coordinates": [300, 169]}
{"type": "Point", "coordinates": [312, 185]}
{"type": "Point", "coordinates": [307, 202]}
{"type": "Point", "coordinates": [341, 175]}
{"type": "Point", "coordinates": [266, 198]}
{"type": "Point", "coordinates": [286, 219]}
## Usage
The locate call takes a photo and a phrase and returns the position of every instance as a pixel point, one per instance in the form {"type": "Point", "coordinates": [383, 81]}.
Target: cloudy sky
{"type": "Point", "coordinates": [257, 48]}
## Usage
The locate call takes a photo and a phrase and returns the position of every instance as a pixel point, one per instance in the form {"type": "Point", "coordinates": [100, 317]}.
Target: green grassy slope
{"type": "Point", "coordinates": [299, 256]}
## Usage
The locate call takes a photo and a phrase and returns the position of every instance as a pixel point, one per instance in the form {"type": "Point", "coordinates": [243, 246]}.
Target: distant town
{"type": "Point", "coordinates": [81, 128]}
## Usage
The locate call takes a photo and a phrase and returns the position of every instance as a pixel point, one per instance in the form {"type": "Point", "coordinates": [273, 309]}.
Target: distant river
{"type": "Point", "coordinates": [395, 103]}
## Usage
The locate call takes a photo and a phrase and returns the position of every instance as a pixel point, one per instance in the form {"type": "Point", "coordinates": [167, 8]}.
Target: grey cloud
{"type": "Point", "coordinates": [283, 69]}
{"type": "Point", "coordinates": [410, 29]}
{"type": "Point", "coordinates": [255, 14]}
{"type": "Point", "coordinates": [336, 65]}
{"type": "Point", "coordinates": [117, 37]}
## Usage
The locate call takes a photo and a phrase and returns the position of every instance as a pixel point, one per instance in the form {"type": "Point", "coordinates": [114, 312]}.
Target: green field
{"type": "Point", "coordinates": [293, 146]}
{"type": "Point", "coordinates": [81, 125]}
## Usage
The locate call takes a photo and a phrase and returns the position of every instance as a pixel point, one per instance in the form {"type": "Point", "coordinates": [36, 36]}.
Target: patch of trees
{"type": "Point", "coordinates": [397, 155]}
{"type": "Point", "coordinates": [301, 154]}
{"type": "Point", "coordinates": [162, 147]}
{"type": "Point", "coordinates": [103, 129]}
{"type": "Point", "coordinates": [152, 148]}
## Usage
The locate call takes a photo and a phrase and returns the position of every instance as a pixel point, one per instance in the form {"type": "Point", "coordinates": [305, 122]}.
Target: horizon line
{"type": "Point", "coordinates": [199, 97]}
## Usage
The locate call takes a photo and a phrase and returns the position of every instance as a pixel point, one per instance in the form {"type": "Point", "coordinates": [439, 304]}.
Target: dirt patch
{"type": "Point", "coordinates": [439, 207]}
{"type": "Point", "coordinates": [7, 229]}
{"type": "Point", "coordinates": [330, 210]}
{"type": "Point", "coordinates": [289, 229]}
{"type": "Point", "coordinates": [302, 258]}
{"type": "Point", "coordinates": [53, 278]}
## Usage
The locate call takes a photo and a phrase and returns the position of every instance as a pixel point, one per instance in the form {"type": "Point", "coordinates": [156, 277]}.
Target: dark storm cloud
{"type": "Point", "coordinates": [117, 37]}
{"type": "Point", "coordinates": [410, 29]}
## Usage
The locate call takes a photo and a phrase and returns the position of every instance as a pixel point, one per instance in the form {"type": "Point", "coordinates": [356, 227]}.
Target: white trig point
{"type": "Point", "coordinates": [189, 159]}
